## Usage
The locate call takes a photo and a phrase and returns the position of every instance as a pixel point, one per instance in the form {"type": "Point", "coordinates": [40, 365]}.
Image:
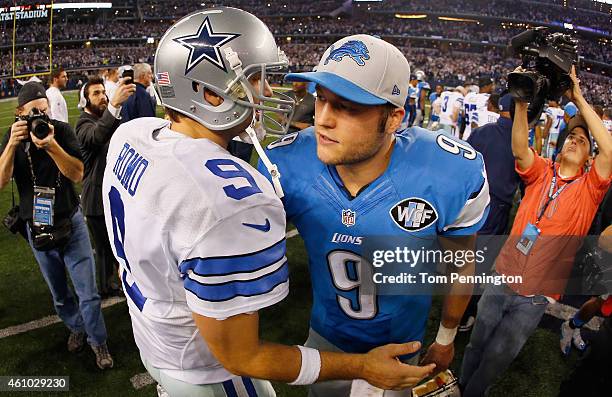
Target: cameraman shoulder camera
{"type": "Point", "coordinates": [39, 152]}
{"type": "Point", "coordinates": [548, 72]}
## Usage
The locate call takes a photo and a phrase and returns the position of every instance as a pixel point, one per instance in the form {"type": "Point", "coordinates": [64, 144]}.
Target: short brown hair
{"type": "Point", "coordinates": [92, 81]}
{"type": "Point", "coordinates": [55, 73]}
{"type": "Point", "coordinates": [175, 116]}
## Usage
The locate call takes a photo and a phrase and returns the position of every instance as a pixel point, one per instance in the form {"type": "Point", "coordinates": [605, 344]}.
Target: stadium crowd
{"type": "Point", "coordinates": [459, 69]}
{"type": "Point", "coordinates": [527, 11]}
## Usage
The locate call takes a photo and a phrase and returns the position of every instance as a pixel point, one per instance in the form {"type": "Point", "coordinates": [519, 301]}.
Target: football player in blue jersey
{"type": "Point", "coordinates": [200, 234]}
{"type": "Point", "coordinates": [351, 177]}
{"type": "Point", "coordinates": [422, 89]}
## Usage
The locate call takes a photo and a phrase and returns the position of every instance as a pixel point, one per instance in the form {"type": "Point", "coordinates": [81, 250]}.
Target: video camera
{"type": "Point", "coordinates": [548, 59]}
{"type": "Point", "coordinates": [38, 123]}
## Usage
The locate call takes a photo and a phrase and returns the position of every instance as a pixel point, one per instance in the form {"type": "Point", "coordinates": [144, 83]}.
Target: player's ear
{"type": "Point", "coordinates": [394, 120]}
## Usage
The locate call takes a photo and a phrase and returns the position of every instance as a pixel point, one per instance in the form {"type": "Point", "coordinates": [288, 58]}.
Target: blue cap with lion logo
{"type": "Point", "coordinates": [363, 69]}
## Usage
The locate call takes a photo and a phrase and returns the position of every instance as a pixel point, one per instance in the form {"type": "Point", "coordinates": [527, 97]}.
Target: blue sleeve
{"type": "Point", "coordinates": [473, 203]}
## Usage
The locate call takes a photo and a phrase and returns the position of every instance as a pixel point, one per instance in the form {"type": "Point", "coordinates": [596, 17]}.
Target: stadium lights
{"type": "Point", "coordinates": [411, 16]}
{"type": "Point", "coordinates": [60, 6]}
{"type": "Point", "coordinates": [457, 19]}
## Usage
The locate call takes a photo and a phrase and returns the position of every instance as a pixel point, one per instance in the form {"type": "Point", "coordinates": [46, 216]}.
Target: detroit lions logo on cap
{"type": "Point", "coordinates": [355, 49]}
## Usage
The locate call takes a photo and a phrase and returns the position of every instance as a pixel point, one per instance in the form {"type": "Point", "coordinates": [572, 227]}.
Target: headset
{"type": "Point", "coordinates": [84, 96]}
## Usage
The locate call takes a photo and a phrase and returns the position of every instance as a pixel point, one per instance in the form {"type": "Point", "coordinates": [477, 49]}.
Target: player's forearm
{"type": "Point", "coordinates": [460, 291]}
{"type": "Point", "coordinates": [520, 137]}
{"type": "Point", "coordinates": [263, 363]}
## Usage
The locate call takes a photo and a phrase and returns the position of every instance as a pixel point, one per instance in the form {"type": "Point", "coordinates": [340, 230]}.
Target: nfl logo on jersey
{"type": "Point", "coordinates": [348, 217]}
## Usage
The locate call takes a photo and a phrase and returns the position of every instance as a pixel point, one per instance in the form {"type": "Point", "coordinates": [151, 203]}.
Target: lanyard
{"type": "Point", "coordinates": [551, 196]}
{"type": "Point", "coordinates": [58, 181]}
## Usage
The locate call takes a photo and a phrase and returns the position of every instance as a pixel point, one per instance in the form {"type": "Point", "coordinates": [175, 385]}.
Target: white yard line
{"type": "Point", "coordinates": [48, 320]}
{"type": "Point", "coordinates": [43, 322]}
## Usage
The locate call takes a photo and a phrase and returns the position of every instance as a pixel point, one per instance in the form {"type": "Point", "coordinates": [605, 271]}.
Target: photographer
{"type": "Point", "coordinates": [44, 159]}
{"type": "Point", "coordinates": [560, 202]}
{"type": "Point", "coordinates": [94, 129]}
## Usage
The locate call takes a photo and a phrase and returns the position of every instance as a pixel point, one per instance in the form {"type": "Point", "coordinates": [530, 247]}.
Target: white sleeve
{"type": "Point", "coordinates": [239, 265]}
{"type": "Point", "coordinates": [54, 110]}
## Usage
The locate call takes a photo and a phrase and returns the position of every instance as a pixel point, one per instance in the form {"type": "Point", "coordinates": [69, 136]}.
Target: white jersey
{"type": "Point", "coordinates": [436, 107]}
{"type": "Point", "coordinates": [194, 229]}
{"type": "Point", "coordinates": [556, 115]}
{"type": "Point", "coordinates": [57, 105]}
{"type": "Point", "coordinates": [473, 103]}
{"type": "Point", "coordinates": [450, 102]}
{"type": "Point", "coordinates": [110, 87]}
{"type": "Point", "coordinates": [608, 124]}
{"type": "Point", "coordinates": [482, 117]}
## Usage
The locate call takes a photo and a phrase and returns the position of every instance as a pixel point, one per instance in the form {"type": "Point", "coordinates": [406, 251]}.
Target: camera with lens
{"type": "Point", "coordinates": [547, 60]}
{"type": "Point", "coordinates": [38, 123]}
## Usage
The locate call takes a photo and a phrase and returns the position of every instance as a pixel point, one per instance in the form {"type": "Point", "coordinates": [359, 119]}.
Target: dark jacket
{"type": "Point", "coordinates": [141, 104]}
{"type": "Point", "coordinates": [94, 134]}
{"type": "Point", "coordinates": [46, 173]}
{"type": "Point", "coordinates": [494, 141]}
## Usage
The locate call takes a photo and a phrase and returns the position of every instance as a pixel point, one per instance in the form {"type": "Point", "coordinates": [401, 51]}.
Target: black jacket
{"type": "Point", "coordinates": [94, 135]}
{"type": "Point", "coordinates": [46, 173]}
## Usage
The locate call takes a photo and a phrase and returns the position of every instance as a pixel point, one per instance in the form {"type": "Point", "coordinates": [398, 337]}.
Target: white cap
{"type": "Point", "coordinates": [363, 69]}
{"type": "Point", "coordinates": [123, 68]}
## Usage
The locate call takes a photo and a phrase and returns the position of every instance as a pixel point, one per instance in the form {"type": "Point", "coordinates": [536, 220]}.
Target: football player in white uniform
{"type": "Point", "coordinates": [475, 102]}
{"type": "Point", "coordinates": [200, 234]}
{"type": "Point", "coordinates": [552, 128]}
{"type": "Point", "coordinates": [451, 104]}
{"type": "Point", "coordinates": [489, 114]}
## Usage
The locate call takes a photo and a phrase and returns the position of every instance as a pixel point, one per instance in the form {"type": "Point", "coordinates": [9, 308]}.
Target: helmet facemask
{"type": "Point", "coordinates": [271, 114]}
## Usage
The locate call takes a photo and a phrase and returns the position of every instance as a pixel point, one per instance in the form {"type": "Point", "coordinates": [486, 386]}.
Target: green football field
{"type": "Point", "coordinates": [41, 350]}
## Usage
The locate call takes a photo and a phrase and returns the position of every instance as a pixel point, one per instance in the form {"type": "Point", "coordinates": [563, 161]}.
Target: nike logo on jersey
{"type": "Point", "coordinates": [264, 228]}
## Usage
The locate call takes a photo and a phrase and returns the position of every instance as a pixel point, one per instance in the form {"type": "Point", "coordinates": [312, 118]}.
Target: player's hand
{"type": "Point", "coordinates": [441, 355]}
{"type": "Point", "coordinates": [383, 369]}
{"type": "Point", "coordinates": [123, 92]}
{"type": "Point", "coordinates": [47, 142]}
{"type": "Point", "coordinates": [19, 132]}
{"type": "Point", "coordinates": [574, 93]}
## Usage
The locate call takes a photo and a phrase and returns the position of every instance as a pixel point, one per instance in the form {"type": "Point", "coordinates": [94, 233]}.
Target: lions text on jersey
{"type": "Point", "coordinates": [194, 229]}
{"type": "Point", "coordinates": [434, 185]}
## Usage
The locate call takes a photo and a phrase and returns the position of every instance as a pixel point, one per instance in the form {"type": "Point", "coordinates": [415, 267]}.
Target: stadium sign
{"type": "Point", "coordinates": [33, 14]}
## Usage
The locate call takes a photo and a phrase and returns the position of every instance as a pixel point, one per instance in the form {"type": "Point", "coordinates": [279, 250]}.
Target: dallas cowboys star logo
{"type": "Point", "coordinates": [205, 44]}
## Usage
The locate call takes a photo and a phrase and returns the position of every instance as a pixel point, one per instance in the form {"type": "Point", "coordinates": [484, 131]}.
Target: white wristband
{"type": "Point", "coordinates": [446, 336]}
{"type": "Point", "coordinates": [310, 368]}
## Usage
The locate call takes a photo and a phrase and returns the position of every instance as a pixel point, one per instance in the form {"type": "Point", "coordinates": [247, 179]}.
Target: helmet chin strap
{"type": "Point", "coordinates": [250, 133]}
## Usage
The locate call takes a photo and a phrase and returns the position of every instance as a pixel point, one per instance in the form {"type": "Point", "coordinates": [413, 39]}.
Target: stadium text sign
{"type": "Point", "coordinates": [8, 16]}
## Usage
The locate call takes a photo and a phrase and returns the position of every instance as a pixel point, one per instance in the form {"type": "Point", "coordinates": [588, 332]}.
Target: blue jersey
{"type": "Point", "coordinates": [423, 171]}
{"type": "Point", "coordinates": [433, 96]}
{"type": "Point", "coordinates": [421, 85]}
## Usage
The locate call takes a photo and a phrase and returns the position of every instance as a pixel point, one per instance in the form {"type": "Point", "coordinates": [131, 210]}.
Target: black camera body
{"type": "Point", "coordinates": [38, 123]}
{"type": "Point", "coordinates": [547, 59]}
